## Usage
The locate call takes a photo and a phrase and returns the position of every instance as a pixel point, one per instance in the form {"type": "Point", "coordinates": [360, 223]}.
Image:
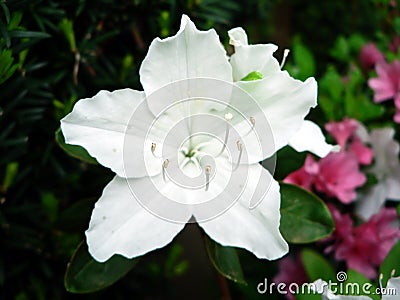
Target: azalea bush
{"type": "Point", "coordinates": [164, 149]}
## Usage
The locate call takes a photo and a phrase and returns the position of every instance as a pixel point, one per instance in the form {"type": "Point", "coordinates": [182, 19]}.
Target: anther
{"type": "Point", "coordinates": [240, 149]}
{"type": "Point", "coordinates": [285, 55]}
{"type": "Point", "coordinates": [253, 124]}
{"type": "Point", "coordinates": [207, 170]}
{"type": "Point", "coordinates": [164, 166]}
{"type": "Point", "coordinates": [153, 150]}
{"type": "Point", "coordinates": [228, 118]}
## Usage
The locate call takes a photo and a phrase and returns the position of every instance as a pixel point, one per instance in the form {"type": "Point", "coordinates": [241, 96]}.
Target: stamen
{"type": "Point", "coordinates": [207, 170]}
{"type": "Point", "coordinates": [285, 55]}
{"type": "Point", "coordinates": [228, 118]}
{"type": "Point", "coordinates": [164, 166]}
{"type": "Point", "coordinates": [240, 149]}
{"type": "Point", "coordinates": [253, 124]}
{"type": "Point", "coordinates": [153, 150]}
{"type": "Point", "coordinates": [380, 280]}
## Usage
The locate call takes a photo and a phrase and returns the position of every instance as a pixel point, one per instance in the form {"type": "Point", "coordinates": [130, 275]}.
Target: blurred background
{"type": "Point", "coordinates": [55, 52]}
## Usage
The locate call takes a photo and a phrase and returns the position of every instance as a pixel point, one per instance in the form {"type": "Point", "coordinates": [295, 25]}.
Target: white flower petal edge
{"type": "Point", "coordinates": [99, 125]}
{"type": "Point", "coordinates": [310, 138]}
{"type": "Point", "coordinates": [250, 58]}
{"type": "Point", "coordinates": [386, 168]}
{"type": "Point", "coordinates": [120, 225]}
{"type": "Point", "coordinates": [191, 53]}
{"type": "Point", "coordinates": [256, 230]}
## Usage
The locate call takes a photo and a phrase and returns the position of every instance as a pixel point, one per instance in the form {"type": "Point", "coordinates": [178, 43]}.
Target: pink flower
{"type": "Point", "coordinates": [386, 86]}
{"type": "Point", "coordinates": [345, 134]}
{"type": "Point", "coordinates": [291, 270]}
{"type": "Point", "coordinates": [364, 247]}
{"type": "Point", "coordinates": [363, 153]}
{"type": "Point", "coordinates": [339, 176]}
{"type": "Point", "coordinates": [370, 55]}
{"type": "Point", "coordinates": [342, 131]}
{"type": "Point", "coordinates": [342, 236]}
{"type": "Point", "coordinates": [305, 175]}
{"type": "Point", "coordinates": [394, 45]}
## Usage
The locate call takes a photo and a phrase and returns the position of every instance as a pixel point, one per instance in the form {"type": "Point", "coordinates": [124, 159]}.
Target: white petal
{"type": "Point", "coordinates": [256, 230]}
{"type": "Point", "coordinates": [237, 37]}
{"type": "Point", "coordinates": [281, 103]}
{"type": "Point", "coordinates": [189, 54]}
{"type": "Point", "coordinates": [310, 138]}
{"type": "Point", "coordinates": [101, 124]}
{"type": "Point", "coordinates": [250, 58]}
{"type": "Point", "coordinates": [120, 225]}
{"type": "Point", "coordinates": [392, 290]}
{"type": "Point", "coordinates": [371, 202]}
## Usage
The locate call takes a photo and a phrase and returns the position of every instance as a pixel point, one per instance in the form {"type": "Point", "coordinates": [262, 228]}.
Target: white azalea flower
{"type": "Point", "coordinates": [188, 146]}
{"type": "Point", "coordinates": [386, 169]}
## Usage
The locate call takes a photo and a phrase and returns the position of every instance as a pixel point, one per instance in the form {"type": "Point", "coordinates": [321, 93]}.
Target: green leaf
{"type": "Point", "coordinates": [67, 27]}
{"type": "Point", "coordinates": [28, 34]}
{"type": "Point", "coordinates": [10, 174]}
{"type": "Point", "coordinates": [341, 49]}
{"type": "Point", "coordinates": [85, 275]}
{"type": "Point", "coordinates": [391, 262]}
{"type": "Point", "coordinates": [255, 75]}
{"type": "Point", "coordinates": [74, 150]}
{"type": "Point", "coordinates": [316, 266]}
{"type": "Point", "coordinates": [225, 260]}
{"type": "Point", "coordinates": [304, 217]}
{"type": "Point", "coordinates": [303, 59]}
{"type": "Point", "coordinates": [76, 217]}
{"type": "Point", "coordinates": [354, 283]}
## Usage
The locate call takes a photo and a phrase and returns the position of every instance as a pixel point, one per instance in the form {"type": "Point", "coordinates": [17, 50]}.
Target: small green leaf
{"type": "Point", "coordinates": [6, 11]}
{"type": "Point", "coordinates": [67, 28]}
{"type": "Point", "coordinates": [255, 75]}
{"type": "Point", "coordinates": [225, 260]}
{"type": "Point", "coordinates": [28, 34]}
{"type": "Point", "coordinates": [354, 283]}
{"type": "Point", "coordinates": [316, 266]}
{"type": "Point", "coordinates": [304, 217]}
{"type": "Point", "coordinates": [74, 150]}
{"type": "Point", "coordinates": [10, 174]}
{"type": "Point", "coordinates": [50, 205]}
{"type": "Point", "coordinates": [391, 262]}
{"type": "Point", "coordinates": [304, 62]}
{"type": "Point", "coordinates": [85, 275]}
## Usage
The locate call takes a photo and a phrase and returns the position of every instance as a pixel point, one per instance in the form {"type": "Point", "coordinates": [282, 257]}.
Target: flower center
{"type": "Point", "coordinates": [197, 157]}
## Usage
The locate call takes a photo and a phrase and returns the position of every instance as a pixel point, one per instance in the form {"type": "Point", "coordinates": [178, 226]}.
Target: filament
{"type": "Point", "coordinates": [207, 170]}
{"type": "Point", "coordinates": [228, 118]}
{"type": "Point", "coordinates": [164, 166]}
{"type": "Point", "coordinates": [240, 149]}
{"type": "Point", "coordinates": [285, 55]}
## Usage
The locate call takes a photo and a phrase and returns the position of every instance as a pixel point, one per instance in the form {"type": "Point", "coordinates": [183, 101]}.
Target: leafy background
{"type": "Point", "coordinates": [56, 52]}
